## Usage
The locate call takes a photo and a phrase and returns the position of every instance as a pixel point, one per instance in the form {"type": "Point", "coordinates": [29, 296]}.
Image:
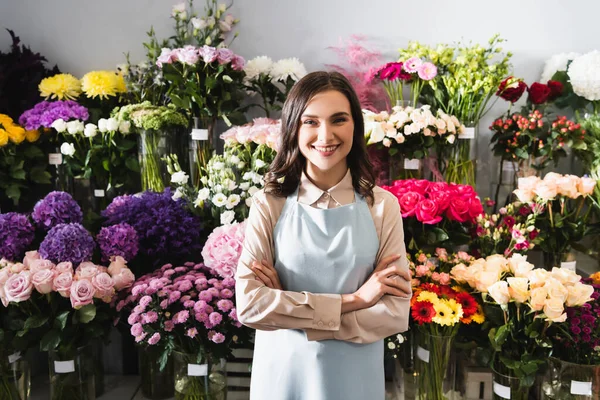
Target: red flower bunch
{"type": "Point", "coordinates": [511, 89]}
{"type": "Point", "coordinates": [393, 71]}
{"type": "Point", "coordinates": [431, 202]}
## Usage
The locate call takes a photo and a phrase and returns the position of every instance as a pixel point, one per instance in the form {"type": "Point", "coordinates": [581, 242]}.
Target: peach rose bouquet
{"type": "Point", "coordinates": [561, 204]}
{"type": "Point", "coordinates": [520, 303]}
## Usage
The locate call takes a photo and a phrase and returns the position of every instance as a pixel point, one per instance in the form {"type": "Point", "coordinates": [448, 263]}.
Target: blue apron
{"type": "Point", "coordinates": [320, 251]}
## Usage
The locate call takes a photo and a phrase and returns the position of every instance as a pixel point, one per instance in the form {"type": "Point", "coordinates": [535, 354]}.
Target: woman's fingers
{"type": "Point", "coordinates": [398, 285]}
{"type": "Point", "coordinates": [386, 261]}
{"type": "Point", "coordinates": [271, 273]}
{"type": "Point", "coordinates": [263, 277]}
{"type": "Point", "coordinates": [396, 270]}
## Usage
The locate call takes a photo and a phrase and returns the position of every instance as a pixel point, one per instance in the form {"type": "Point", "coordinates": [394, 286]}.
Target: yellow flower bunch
{"type": "Point", "coordinates": [61, 87]}
{"type": "Point", "coordinates": [103, 84]}
{"type": "Point", "coordinates": [9, 131]}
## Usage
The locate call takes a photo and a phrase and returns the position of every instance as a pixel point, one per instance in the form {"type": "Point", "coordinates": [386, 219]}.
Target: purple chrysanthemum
{"type": "Point", "coordinates": [67, 242]}
{"type": "Point", "coordinates": [166, 230]}
{"type": "Point", "coordinates": [46, 112]}
{"type": "Point", "coordinates": [56, 208]}
{"type": "Point", "coordinates": [16, 234]}
{"type": "Point", "coordinates": [118, 240]}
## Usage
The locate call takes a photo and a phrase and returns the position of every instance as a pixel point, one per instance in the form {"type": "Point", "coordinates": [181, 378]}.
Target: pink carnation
{"type": "Point", "coordinates": [215, 318]}
{"type": "Point", "coordinates": [192, 332]}
{"type": "Point", "coordinates": [137, 329]}
{"type": "Point", "coordinates": [217, 337]}
{"type": "Point", "coordinates": [154, 339]}
{"type": "Point", "coordinates": [169, 326]}
{"type": "Point", "coordinates": [225, 305]}
{"type": "Point", "coordinates": [181, 317]}
{"type": "Point", "coordinates": [133, 318]}
{"type": "Point", "coordinates": [150, 317]}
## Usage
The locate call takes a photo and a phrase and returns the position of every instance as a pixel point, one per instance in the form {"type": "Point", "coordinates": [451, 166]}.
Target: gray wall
{"type": "Point", "coordinates": [81, 35]}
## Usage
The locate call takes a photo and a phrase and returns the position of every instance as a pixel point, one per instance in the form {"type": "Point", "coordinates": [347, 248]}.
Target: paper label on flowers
{"type": "Point", "coordinates": [413, 163]}
{"type": "Point", "coordinates": [197, 369]}
{"type": "Point", "coordinates": [199, 134]}
{"type": "Point", "coordinates": [64, 367]}
{"type": "Point", "coordinates": [570, 265]}
{"type": "Point", "coordinates": [467, 133]}
{"type": "Point", "coordinates": [581, 388]}
{"type": "Point", "coordinates": [502, 391]}
{"type": "Point", "coordinates": [54, 158]}
{"type": "Point", "coordinates": [98, 193]}
{"type": "Point", "coordinates": [14, 357]}
{"type": "Point", "coordinates": [423, 354]}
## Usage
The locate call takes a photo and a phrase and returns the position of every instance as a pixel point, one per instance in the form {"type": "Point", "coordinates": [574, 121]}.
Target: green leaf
{"type": "Point", "coordinates": [33, 152]}
{"type": "Point", "coordinates": [521, 153]}
{"type": "Point", "coordinates": [87, 313]}
{"type": "Point", "coordinates": [61, 320]}
{"type": "Point", "coordinates": [35, 321]}
{"type": "Point", "coordinates": [106, 164]}
{"type": "Point", "coordinates": [13, 192]}
{"type": "Point", "coordinates": [501, 335]}
{"type": "Point", "coordinates": [19, 174]}
{"type": "Point", "coordinates": [132, 164]}
{"type": "Point", "coordinates": [40, 175]}
{"type": "Point", "coordinates": [50, 341]}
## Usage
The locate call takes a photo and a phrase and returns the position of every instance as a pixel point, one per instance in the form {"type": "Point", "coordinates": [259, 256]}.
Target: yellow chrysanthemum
{"type": "Point", "coordinates": [99, 84]}
{"type": "Point", "coordinates": [60, 86]}
{"type": "Point", "coordinates": [428, 296]}
{"type": "Point", "coordinates": [445, 315]}
{"type": "Point", "coordinates": [121, 87]}
{"type": "Point", "coordinates": [32, 135]}
{"type": "Point", "coordinates": [3, 137]}
{"type": "Point", "coordinates": [16, 133]}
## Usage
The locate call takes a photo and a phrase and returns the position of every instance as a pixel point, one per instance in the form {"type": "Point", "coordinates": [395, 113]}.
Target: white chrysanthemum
{"type": "Point", "coordinates": [288, 67]}
{"type": "Point", "coordinates": [258, 65]}
{"type": "Point", "coordinates": [557, 62]}
{"type": "Point", "coordinates": [584, 75]}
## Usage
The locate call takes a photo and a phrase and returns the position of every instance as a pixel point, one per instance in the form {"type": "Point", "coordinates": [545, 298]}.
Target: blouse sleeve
{"type": "Point", "coordinates": [391, 314]}
{"type": "Point", "coordinates": [261, 307]}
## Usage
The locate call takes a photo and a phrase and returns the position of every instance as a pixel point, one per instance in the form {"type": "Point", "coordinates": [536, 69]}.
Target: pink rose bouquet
{"type": "Point", "coordinates": [436, 214]}
{"type": "Point", "coordinates": [186, 308]}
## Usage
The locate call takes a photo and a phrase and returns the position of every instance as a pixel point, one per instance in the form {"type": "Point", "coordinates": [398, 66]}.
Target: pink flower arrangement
{"type": "Point", "coordinates": [188, 306]}
{"type": "Point", "coordinates": [191, 55]}
{"type": "Point", "coordinates": [430, 202]}
{"type": "Point", "coordinates": [223, 248]}
{"type": "Point", "coordinates": [260, 131]}
{"type": "Point", "coordinates": [414, 70]}
{"type": "Point", "coordinates": [533, 189]}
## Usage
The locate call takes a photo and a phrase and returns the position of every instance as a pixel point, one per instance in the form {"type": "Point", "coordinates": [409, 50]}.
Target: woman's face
{"type": "Point", "coordinates": [326, 133]}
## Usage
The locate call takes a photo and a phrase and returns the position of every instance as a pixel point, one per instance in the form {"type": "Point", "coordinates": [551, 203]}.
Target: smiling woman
{"type": "Point", "coordinates": [323, 274]}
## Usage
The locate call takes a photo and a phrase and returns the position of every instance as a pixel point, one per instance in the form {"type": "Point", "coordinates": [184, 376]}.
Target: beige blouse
{"type": "Point", "coordinates": [319, 315]}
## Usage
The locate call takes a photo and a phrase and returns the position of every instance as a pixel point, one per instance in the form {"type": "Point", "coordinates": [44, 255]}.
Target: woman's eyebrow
{"type": "Point", "coordinates": [337, 114]}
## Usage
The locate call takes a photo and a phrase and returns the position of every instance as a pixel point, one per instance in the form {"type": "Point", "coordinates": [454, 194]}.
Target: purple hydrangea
{"type": "Point", "coordinates": [16, 235]}
{"type": "Point", "coordinates": [118, 240]}
{"type": "Point", "coordinates": [68, 242]}
{"type": "Point", "coordinates": [167, 231]}
{"type": "Point", "coordinates": [56, 208]}
{"type": "Point", "coordinates": [46, 112]}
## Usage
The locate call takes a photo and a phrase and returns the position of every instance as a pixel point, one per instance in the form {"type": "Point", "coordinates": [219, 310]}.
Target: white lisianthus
{"type": "Point", "coordinates": [218, 165]}
{"type": "Point", "coordinates": [584, 74]}
{"type": "Point", "coordinates": [229, 184]}
{"type": "Point", "coordinates": [219, 200]}
{"type": "Point", "coordinates": [557, 62]}
{"type": "Point", "coordinates": [203, 194]}
{"type": "Point", "coordinates": [259, 163]}
{"type": "Point", "coordinates": [102, 125]}
{"type": "Point", "coordinates": [227, 217]}
{"type": "Point", "coordinates": [232, 201]}
{"type": "Point", "coordinates": [204, 180]}
{"type": "Point", "coordinates": [288, 68]}
{"type": "Point", "coordinates": [244, 185]}
{"type": "Point", "coordinates": [59, 125]}
{"type": "Point", "coordinates": [178, 194]}
{"type": "Point", "coordinates": [179, 178]}
{"type": "Point", "coordinates": [198, 23]}
{"type": "Point", "coordinates": [224, 26]}
{"type": "Point", "coordinates": [67, 149]}
{"type": "Point", "coordinates": [218, 188]}
{"type": "Point", "coordinates": [124, 127]}
{"type": "Point", "coordinates": [248, 202]}
{"type": "Point", "coordinates": [241, 165]}
{"type": "Point", "coordinates": [178, 9]}
{"type": "Point", "coordinates": [112, 125]}
{"type": "Point", "coordinates": [222, 7]}
{"type": "Point", "coordinates": [234, 159]}
{"type": "Point", "coordinates": [90, 130]}
{"type": "Point", "coordinates": [75, 127]}
{"type": "Point", "coordinates": [211, 22]}
{"type": "Point", "coordinates": [258, 65]}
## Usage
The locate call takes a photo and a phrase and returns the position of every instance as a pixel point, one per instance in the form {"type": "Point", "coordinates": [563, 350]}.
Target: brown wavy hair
{"type": "Point", "coordinates": [289, 162]}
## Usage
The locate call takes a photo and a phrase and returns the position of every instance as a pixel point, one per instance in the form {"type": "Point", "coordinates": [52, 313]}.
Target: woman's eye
{"type": "Point", "coordinates": [308, 122]}
{"type": "Point", "coordinates": [339, 120]}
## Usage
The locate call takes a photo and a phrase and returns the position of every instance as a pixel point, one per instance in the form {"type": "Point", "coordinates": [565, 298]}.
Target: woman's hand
{"type": "Point", "coordinates": [267, 274]}
{"type": "Point", "coordinates": [385, 279]}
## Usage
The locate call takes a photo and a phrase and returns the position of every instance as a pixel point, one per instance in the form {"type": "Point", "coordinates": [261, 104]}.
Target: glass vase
{"type": "Point", "coordinates": [200, 146]}
{"type": "Point", "coordinates": [564, 259]}
{"type": "Point", "coordinates": [156, 384]}
{"type": "Point", "coordinates": [72, 374]}
{"type": "Point", "coordinates": [15, 377]}
{"type": "Point", "coordinates": [567, 381]}
{"type": "Point", "coordinates": [462, 164]}
{"type": "Point", "coordinates": [153, 146]}
{"type": "Point", "coordinates": [506, 387]}
{"type": "Point", "coordinates": [436, 371]}
{"type": "Point", "coordinates": [204, 379]}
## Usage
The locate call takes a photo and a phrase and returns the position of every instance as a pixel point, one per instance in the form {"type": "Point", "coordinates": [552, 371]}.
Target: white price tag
{"type": "Point", "coordinates": [571, 265]}
{"type": "Point", "coordinates": [423, 354]}
{"type": "Point", "coordinates": [581, 388]}
{"type": "Point", "coordinates": [54, 158]}
{"type": "Point", "coordinates": [502, 391]}
{"type": "Point", "coordinates": [64, 367]}
{"type": "Point", "coordinates": [98, 193]}
{"type": "Point", "coordinates": [14, 357]}
{"type": "Point", "coordinates": [197, 369]}
{"type": "Point", "coordinates": [413, 163]}
{"type": "Point", "coordinates": [199, 134]}
{"type": "Point", "coordinates": [467, 133]}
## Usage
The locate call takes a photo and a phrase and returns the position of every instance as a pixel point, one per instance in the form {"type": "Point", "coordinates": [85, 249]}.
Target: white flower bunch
{"type": "Point", "coordinates": [278, 71]}
{"type": "Point", "coordinates": [584, 75]}
{"type": "Point", "coordinates": [557, 62]}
